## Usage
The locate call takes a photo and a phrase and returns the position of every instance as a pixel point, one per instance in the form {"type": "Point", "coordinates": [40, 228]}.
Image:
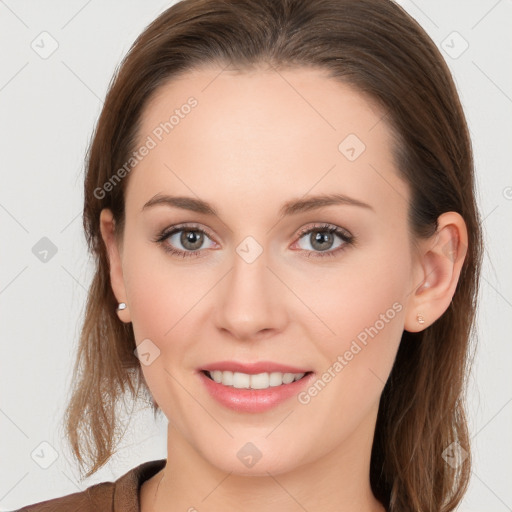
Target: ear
{"type": "Point", "coordinates": [437, 271]}
{"type": "Point", "coordinates": [114, 253]}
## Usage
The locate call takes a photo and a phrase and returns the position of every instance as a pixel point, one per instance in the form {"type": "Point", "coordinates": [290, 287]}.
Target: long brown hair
{"type": "Point", "coordinates": [376, 47]}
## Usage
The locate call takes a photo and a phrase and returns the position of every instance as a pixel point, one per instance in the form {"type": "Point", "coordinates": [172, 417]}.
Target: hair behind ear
{"type": "Point", "coordinates": [105, 369]}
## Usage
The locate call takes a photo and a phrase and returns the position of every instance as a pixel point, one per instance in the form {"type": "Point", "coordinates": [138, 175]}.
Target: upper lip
{"type": "Point", "coordinates": [253, 368]}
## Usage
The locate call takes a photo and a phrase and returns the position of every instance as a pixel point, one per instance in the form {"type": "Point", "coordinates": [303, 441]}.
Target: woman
{"type": "Point", "coordinates": [280, 199]}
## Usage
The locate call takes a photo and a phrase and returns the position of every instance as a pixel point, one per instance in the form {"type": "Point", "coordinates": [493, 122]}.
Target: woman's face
{"type": "Point", "coordinates": [251, 282]}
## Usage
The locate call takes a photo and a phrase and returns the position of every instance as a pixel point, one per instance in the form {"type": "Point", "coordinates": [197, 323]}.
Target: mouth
{"type": "Point", "coordinates": [253, 387]}
{"type": "Point", "coordinates": [255, 392]}
{"type": "Point", "coordinates": [264, 380]}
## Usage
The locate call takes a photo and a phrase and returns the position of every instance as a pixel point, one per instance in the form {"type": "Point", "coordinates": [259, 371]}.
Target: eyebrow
{"type": "Point", "coordinates": [292, 207]}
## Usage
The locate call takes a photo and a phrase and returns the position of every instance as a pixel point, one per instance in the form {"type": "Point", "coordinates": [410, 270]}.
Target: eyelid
{"type": "Point", "coordinates": [191, 226]}
{"type": "Point", "coordinates": [324, 226]}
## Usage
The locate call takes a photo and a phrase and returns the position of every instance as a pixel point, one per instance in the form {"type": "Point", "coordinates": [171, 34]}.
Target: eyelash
{"type": "Point", "coordinates": [346, 237]}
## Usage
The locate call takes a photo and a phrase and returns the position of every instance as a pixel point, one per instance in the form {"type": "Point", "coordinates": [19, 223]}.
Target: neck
{"type": "Point", "coordinates": [336, 482]}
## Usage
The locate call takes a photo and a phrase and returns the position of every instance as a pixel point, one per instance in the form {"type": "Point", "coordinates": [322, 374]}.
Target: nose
{"type": "Point", "coordinates": [251, 300]}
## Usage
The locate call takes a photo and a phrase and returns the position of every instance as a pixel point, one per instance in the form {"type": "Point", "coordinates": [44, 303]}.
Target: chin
{"type": "Point", "coordinates": [254, 458]}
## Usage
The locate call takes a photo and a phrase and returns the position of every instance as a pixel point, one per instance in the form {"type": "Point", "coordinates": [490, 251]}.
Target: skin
{"type": "Point", "coordinates": [255, 140]}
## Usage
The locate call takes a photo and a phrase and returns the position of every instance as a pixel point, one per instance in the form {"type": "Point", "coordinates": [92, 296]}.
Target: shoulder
{"type": "Point", "coordinates": [98, 497]}
{"type": "Point", "coordinates": [123, 494]}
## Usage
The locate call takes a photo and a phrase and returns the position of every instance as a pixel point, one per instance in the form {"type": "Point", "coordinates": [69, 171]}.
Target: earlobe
{"type": "Point", "coordinates": [440, 263]}
{"type": "Point", "coordinates": [107, 225]}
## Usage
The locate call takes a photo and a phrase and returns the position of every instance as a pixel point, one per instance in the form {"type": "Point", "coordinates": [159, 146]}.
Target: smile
{"type": "Point", "coordinates": [253, 393]}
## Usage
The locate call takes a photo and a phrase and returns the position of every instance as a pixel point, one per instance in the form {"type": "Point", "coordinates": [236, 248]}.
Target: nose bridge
{"type": "Point", "coordinates": [250, 301]}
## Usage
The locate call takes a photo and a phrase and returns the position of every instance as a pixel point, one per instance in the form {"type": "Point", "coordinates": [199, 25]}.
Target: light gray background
{"type": "Point", "coordinates": [48, 107]}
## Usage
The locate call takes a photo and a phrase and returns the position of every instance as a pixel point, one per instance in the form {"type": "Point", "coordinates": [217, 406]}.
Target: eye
{"type": "Point", "coordinates": [184, 240]}
{"type": "Point", "coordinates": [321, 240]}
{"type": "Point", "coordinates": [189, 240]}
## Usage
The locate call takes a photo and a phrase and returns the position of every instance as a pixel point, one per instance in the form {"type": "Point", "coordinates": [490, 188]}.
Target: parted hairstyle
{"type": "Point", "coordinates": [381, 51]}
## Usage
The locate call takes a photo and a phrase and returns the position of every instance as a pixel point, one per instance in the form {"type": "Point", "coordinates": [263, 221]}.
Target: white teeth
{"type": "Point", "coordinates": [241, 380]}
{"type": "Point", "coordinates": [258, 381]}
{"type": "Point", "coordinates": [276, 379]}
{"type": "Point", "coordinates": [216, 375]}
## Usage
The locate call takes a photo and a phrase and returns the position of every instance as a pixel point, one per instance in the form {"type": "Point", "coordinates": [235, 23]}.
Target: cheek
{"type": "Point", "coordinates": [158, 291]}
{"type": "Point", "coordinates": [151, 304]}
{"type": "Point", "coordinates": [363, 305]}
{"type": "Point", "coordinates": [160, 297]}
{"type": "Point", "coordinates": [366, 312]}
{"type": "Point", "coordinates": [364, 290]}
{"type": "Point", "coordinates": [165, 299]}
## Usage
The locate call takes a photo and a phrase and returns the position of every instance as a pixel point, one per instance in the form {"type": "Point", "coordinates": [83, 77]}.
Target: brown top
{"type": "Point", "coordinates": [119, 496]}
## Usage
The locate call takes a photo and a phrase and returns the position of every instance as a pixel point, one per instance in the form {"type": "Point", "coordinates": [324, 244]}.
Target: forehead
{"type": "Point", "coordinates": [226, 135]}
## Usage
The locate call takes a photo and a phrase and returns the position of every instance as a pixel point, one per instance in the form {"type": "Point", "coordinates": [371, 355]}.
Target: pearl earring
{"type": "Point", "coordinates": [121, 306]}
{"type": "Point", "coordinates": [420, 318]}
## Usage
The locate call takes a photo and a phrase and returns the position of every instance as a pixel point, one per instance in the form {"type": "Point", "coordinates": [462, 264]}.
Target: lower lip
{"type": "Point", "coordinates": [253, 400]}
